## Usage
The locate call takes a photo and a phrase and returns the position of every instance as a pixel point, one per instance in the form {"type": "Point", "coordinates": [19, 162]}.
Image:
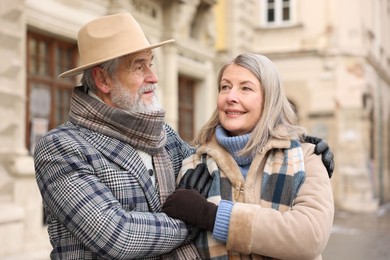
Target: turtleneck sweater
{"type": "Point", "coordinates": [233, 144]}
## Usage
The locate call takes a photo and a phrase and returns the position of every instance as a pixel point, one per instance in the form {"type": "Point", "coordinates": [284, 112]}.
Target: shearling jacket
{"type": "Point", "coordinates": [256, 229]}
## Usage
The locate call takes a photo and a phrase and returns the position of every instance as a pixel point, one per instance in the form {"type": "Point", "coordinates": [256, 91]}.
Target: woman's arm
{"type": "Point", "coordinates": [300, 233]}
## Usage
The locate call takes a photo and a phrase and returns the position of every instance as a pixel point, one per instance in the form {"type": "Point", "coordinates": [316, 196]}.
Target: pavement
{"type": "Point", "coordinates": [358, 236]}
{"type": "Point", "coordinates": [355, 236]}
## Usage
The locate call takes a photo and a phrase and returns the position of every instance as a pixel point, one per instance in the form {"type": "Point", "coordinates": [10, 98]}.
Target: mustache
{"type": "Point", "coordinates": [147, 88]}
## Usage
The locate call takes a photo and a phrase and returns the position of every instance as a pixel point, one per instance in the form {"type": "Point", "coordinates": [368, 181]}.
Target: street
{"type": "Point", "coordinates": [355, 236]}
{"type": "Point", "coordinates": [358, 236]}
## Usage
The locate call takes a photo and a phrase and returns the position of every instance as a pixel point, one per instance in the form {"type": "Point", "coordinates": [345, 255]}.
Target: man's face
{"type": "Point", "coordinates": [135, 83]}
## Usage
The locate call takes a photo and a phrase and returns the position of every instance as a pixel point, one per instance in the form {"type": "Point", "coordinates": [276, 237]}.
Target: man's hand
{"type": "Point", "coordinates": [198, 179]}
{"type": "Point", "coordinates": [323, 149]}
{"type": "Point", "coordinates": [191, 207]}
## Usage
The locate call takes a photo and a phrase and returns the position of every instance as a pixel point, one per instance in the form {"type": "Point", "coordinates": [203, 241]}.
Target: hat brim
{"type": "Point", "coordinates": [79, 70]}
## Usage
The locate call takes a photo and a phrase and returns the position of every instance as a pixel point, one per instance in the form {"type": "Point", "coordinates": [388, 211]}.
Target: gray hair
{"type": "Point", "coordinates": [111, 66]}
{"type": "Point", "coordinates": [277, 110]}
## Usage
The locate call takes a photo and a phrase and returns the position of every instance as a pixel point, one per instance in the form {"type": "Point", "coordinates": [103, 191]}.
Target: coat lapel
{"type": "Point", "coordinates": [128, 158]}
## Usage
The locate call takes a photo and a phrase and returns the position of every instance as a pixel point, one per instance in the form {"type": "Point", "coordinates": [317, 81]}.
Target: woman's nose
{"type": "Point", "coordinates": [232, 96]}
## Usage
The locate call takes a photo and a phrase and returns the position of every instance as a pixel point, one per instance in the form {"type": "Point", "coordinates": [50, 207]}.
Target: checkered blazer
{"type": "Point", "coordinates": [98, 197]}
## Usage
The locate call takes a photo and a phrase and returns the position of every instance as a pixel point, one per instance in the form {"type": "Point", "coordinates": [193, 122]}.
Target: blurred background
{"type": "Point", "coordinates": [333, 55]}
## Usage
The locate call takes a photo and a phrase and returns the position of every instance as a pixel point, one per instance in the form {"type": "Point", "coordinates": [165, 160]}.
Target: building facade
{"type": "Point", "coordinates": [334, 58]}
{"type": "Point", "coordinates": [334, 64]}
{"type": "Point", "coordinates": [38, 41]}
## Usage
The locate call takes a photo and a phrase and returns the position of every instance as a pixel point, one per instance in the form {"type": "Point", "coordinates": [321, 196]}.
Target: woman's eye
{"type": "Point", "coordinates": [223, 87]}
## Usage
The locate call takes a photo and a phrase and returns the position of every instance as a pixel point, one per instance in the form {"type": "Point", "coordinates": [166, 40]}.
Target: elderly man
{"type": "Point", "coordinates": [105, 174]}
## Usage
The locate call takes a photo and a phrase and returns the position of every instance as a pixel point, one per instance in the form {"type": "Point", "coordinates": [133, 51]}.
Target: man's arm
{"type": "Point", "coordinates": [87, 208]}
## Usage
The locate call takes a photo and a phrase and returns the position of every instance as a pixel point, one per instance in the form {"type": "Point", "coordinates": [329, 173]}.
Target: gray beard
{"type": "Point", "coordinates": [133, 103]}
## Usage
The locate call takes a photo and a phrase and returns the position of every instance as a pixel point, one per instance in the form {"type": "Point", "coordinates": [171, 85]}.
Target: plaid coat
{"type": "Point", "coordinates": [98, 197]}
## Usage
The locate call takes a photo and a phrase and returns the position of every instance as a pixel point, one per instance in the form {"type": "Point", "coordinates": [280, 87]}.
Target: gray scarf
{"type": "Point", "coordinates": [144, 131]}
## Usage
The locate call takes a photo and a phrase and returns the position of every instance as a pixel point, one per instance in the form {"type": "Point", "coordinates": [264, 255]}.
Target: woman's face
{"type": "Point", "coordinates": [240, 100]}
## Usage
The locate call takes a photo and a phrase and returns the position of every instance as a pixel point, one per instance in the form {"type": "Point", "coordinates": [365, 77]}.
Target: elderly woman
{"type": "Point", "coordinates": [271, 197]}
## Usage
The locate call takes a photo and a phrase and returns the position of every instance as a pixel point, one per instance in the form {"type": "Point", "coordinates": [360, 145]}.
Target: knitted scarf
{"type": "Point", "coordinates": [143, 131]}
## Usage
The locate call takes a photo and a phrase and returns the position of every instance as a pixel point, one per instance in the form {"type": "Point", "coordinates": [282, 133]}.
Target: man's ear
{"type": "Point", "coordinates": [102, 80]}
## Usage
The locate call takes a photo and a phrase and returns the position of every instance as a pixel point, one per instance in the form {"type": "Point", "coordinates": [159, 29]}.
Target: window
{"type": "Point", "coordinates": [277, 12]}
{"type": "Point", "coordinates": [48, 96]}
{"type": "Point", "coordinates": [186, 108]}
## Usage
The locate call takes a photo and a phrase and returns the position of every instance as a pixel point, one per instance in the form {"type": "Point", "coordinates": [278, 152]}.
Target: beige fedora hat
{"type": "Point", "coordinates": [107, 38]}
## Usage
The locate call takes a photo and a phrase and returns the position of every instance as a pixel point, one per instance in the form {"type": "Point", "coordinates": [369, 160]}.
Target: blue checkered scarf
{"type": "Point", "coordinates": [283, 175]}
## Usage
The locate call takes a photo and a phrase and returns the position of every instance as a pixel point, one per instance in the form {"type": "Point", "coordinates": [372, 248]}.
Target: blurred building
{"type": "Point", "coordinates": [333, 55]}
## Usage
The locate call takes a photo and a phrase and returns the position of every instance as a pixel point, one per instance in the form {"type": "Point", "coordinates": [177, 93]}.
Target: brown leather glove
{"type": "Point", "coordinates": [191, 207]}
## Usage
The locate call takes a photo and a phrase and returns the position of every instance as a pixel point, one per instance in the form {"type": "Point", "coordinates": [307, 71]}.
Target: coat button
{"type": "Point", "coordinates": [150, 171]}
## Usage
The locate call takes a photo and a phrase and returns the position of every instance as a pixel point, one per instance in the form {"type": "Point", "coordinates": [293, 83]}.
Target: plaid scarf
{"type": "Point", "coordinates": [283, 175]}
{"type": "Point", "coordinates": [143, 131]}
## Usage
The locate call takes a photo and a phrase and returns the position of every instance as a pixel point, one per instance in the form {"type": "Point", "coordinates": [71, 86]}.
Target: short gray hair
{"type": "Point", "coordinates": [88, 82]}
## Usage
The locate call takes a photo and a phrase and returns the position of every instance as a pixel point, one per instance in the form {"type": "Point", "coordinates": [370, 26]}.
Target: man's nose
{"type": "Point", "coordinates": [151, 76]}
